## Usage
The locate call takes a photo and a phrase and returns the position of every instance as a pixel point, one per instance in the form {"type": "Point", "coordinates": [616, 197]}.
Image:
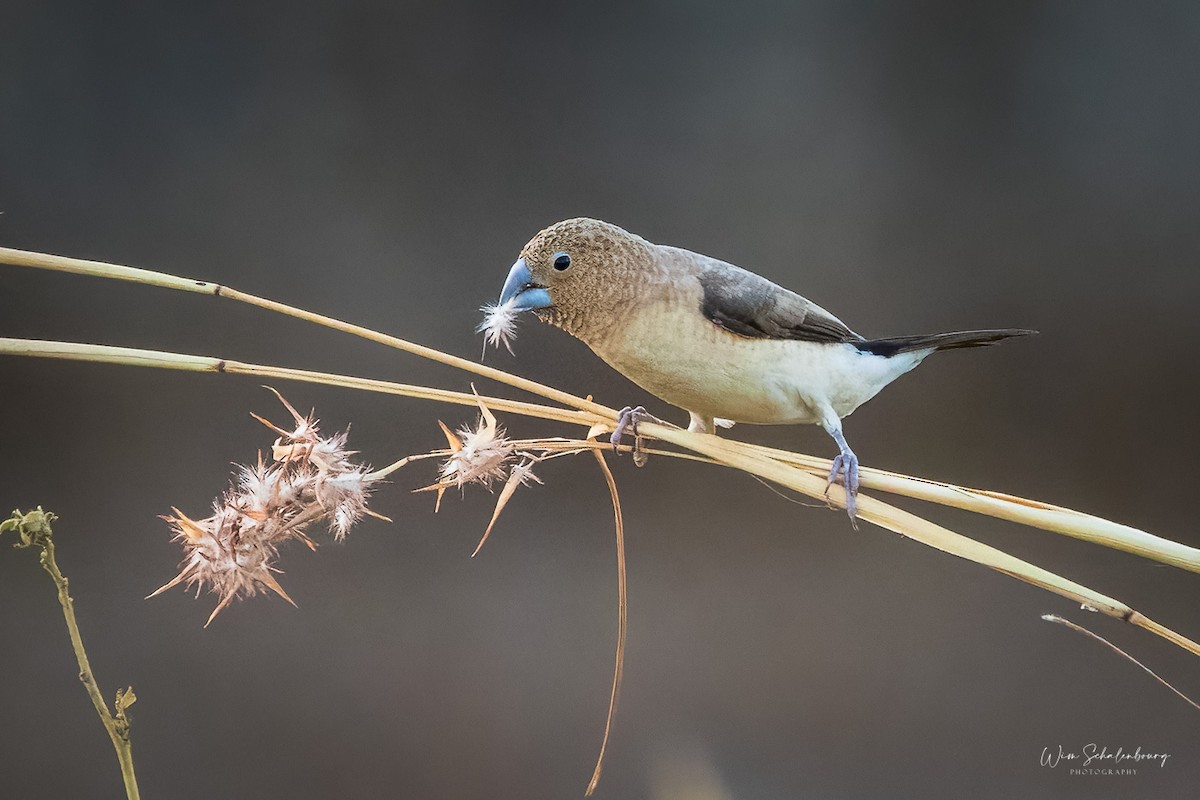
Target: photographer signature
{"type": "Point", "coordinates": [1095, 754]}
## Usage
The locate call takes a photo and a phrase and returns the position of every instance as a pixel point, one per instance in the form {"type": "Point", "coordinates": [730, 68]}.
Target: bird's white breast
{"type": "Point", "coordinates": [672, 351]}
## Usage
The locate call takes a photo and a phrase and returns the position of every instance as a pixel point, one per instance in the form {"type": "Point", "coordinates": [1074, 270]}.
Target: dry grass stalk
{"type": "Point", "coordinates": [1027, 512]}
{"type": "Point", "coordinates": [799, 472]}
{"type": "Point", "coordinates": [1033, 513]}
{"type": "Point", "coordinates": [100, 269]}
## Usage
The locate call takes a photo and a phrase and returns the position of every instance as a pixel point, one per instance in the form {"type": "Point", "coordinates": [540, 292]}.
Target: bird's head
{"type": "Point", "coordinates": [575, 273]}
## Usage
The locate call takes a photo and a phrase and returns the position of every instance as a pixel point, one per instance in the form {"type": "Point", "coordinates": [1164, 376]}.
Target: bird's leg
{"type": "Point", "coordinates": [627, 420]}
{"type": "Point", "coordinates": [845, 466]}
{"type": "Point", "coordinates": [701, 424]}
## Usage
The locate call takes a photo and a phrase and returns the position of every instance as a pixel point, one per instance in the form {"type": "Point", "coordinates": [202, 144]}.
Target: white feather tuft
{"type": "Point", "coordinates": [500, 324]}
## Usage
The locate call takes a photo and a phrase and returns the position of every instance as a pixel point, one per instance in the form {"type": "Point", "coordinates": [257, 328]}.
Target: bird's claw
{"type": "Point", "coordinates": [627, 421]}
{"type": "Point", "coordinates": [845, 471]}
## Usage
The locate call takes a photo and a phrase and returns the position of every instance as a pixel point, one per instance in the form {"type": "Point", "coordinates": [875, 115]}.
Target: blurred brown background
{"type": "Point", "coordinates": [914, 167]}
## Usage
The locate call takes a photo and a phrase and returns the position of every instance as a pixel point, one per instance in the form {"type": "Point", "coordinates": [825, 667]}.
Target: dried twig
{"type": "Point", "coordinates": [35, 531]}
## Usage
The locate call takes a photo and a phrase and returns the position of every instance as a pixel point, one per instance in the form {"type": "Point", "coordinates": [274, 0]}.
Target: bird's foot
{"type": "Point", "coordinates": [627, 421]}
{"type": "Point", "coordinates": [845, 471]}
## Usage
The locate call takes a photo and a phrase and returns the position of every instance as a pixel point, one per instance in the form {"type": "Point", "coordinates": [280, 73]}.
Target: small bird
{"type": "Point", "coordinates": [713, 339]}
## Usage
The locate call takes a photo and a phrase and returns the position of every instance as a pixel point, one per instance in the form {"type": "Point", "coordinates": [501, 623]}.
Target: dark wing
{"type": "Point", "coordinates": [750, 305]}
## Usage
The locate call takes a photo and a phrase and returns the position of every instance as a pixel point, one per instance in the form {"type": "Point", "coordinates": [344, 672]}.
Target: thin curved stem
{"type": "Point", "coordinates": [622, 619]}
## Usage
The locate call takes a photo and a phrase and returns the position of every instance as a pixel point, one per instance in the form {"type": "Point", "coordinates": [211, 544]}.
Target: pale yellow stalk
{"type": "Point", "coordinates": [100, 269]}
{"type": "Point", "coordinates": [724, 451]}
{"type": "Point", "coordinates": [914, 527]}
{"type": "Point", "coordinates": [802, 473]}
{"type": "Point", "coordinates": [1008, 507]}
{"type": "Point", "coordinates": [1027, 512]}
{"type": "Point", "coordinates": [133, 357]}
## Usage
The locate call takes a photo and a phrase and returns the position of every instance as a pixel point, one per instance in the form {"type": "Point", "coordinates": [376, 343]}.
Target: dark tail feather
{"type": "Point", "coordinates": [938, 341]}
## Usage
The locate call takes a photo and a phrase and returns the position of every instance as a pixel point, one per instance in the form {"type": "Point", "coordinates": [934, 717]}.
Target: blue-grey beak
{"type": "Point", "coordinates": [522, 291]}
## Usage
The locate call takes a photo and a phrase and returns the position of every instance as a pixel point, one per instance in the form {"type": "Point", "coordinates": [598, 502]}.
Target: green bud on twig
{"type": "Point", "coordinates": [33, 528]}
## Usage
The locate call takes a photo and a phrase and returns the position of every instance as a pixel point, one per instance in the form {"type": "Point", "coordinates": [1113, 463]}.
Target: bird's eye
{"type": "Point", "coordinates": [562, 261]}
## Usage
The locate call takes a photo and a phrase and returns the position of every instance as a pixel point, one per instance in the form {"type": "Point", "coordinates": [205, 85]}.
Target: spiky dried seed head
{"type": "Point", "coordinates": [478, 455]}
{"type": "Point", "coordinates": [310, 478]}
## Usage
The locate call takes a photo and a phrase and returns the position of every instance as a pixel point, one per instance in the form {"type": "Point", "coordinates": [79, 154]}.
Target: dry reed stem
{"type": "Point", "coordinates": [914, 527]}
{"type": "Point", "coordinates": [728, 452]}
{"type": "Point", "coordinates": [101, 269]}
{"type": "Point", "coordinates": [1027, 512]}
{"type": "Point", "coordinates": [1033, 513]}
{"type": "Point", "coordinates": [799, 472]}
{"type": "Point", "coordinates": [155, 358]}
